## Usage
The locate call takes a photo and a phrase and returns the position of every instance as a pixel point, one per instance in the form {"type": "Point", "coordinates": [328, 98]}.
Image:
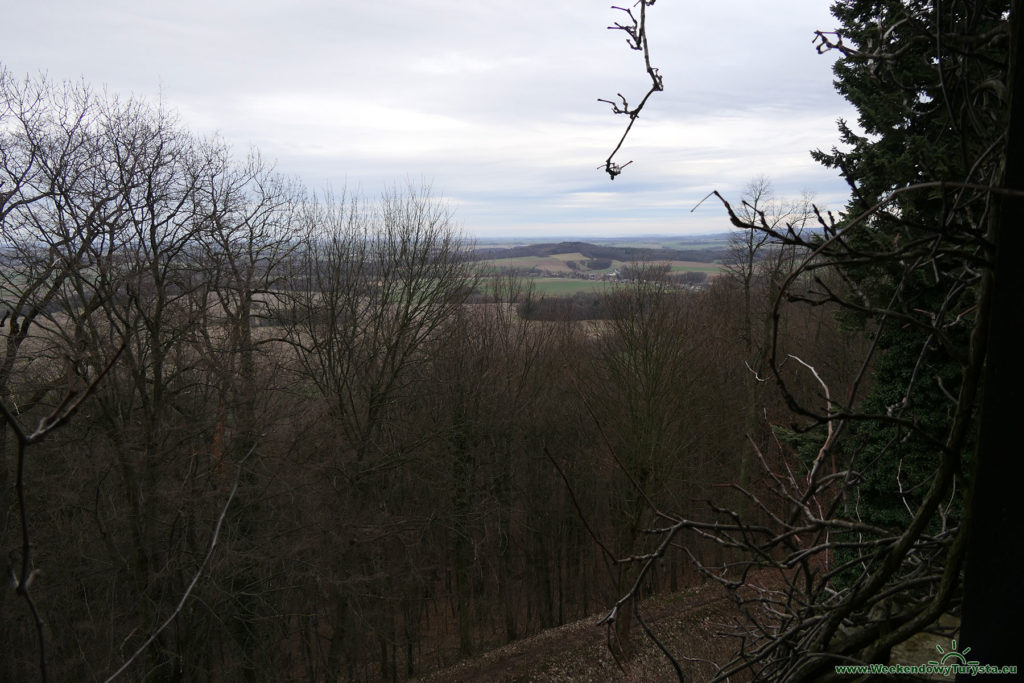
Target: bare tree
{"type": "Point", "coordinates": [100, 222]}
{"type": "Point", "coordinates": [374, 291]}
{"type": "Point", "coordinates": [50, 218]}
{"type": "Point", "coordinates": [639, 394]}
{"type": "Point", "coordinates": [249, 222]}
{"type": "Point", "coordinates": [758, 264]}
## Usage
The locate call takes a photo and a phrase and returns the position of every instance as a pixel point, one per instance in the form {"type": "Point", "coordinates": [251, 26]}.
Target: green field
{"type": "Point", "coordinates": [567, 286]}
{"type": "Point", "coordinates": [711, 269]}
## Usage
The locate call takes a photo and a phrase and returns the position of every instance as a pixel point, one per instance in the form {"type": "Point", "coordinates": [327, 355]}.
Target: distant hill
{"type": "Point", "coordinates": [706, 254]}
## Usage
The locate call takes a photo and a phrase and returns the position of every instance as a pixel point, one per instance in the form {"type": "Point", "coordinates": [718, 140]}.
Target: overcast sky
{"type": "Point", "coordinates": [491, 101]}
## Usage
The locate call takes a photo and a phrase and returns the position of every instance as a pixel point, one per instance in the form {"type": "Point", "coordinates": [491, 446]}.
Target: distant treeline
{"type": "Point", "coordinates": [580, 306]}
{"type": "Point", "coordinates": [594, 251]}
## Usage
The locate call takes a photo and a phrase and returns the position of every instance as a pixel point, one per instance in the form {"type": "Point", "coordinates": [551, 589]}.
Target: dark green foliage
{"type": "Point", "coordinates": [929, 111]}
{"type": "Point", "coordinates": [898, 462]}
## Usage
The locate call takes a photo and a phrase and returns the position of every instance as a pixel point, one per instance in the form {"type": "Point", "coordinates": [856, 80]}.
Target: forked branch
{"type": "Point", "coordinates": [636, 38]}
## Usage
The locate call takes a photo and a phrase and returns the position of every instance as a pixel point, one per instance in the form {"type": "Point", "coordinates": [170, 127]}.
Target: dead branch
{"type": "Point", "coordinates": [636, 38]}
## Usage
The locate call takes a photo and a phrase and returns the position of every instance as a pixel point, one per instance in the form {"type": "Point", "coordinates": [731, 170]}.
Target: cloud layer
{"type": "Point", "coordinates": [494, 102]}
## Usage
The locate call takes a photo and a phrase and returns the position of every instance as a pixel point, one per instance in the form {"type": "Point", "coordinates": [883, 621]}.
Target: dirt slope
{"type": "Point", "coordinates": [686, 622]}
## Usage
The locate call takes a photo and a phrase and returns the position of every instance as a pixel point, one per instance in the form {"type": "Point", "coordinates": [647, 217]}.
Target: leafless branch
{"type": "Point", "coordinates": [60, 415]}
{"type": "Point", "coordinates": [840, 587]}
{"type": "Point", "coordinates": [199, 572]}
{"type": "Point", "coordinates": [636, 38]}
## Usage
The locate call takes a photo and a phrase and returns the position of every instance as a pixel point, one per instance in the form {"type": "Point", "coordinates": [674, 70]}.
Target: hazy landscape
{"type": "Point", "coordinates": [259, 427]}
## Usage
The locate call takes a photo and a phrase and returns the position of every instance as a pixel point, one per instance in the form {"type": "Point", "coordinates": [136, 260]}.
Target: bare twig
{"type": "Point", "coordinates": [636, 38]}
{"type": "Point", "coordinates": [59, 416]}
{"type": "Point", "coordinates": [848, 590]}
{"type": "Point", "coordinates": [199, 572]}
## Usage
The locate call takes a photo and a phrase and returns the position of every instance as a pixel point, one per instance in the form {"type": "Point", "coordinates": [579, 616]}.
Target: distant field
{"type": "Point", "coordinates": [556, 264]}
{"type": "Point", "coordinates": [712, 243]}
{"type": "Point", "coordinates": [547, 271]}
{"type": "Point", "coordinates": [551, 264]}
{"type": "Point", "coordinates": [567, 286]}
{"type": "Point", "coordinates": [692, 266]}
{"type": "Point", "coordinates": [707, 241]}
{"type": "Point", "coordinates": [715, 241]}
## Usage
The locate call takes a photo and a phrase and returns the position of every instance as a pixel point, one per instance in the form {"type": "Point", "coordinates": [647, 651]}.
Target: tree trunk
{"type": "Point", "coordinates": [993, 592]}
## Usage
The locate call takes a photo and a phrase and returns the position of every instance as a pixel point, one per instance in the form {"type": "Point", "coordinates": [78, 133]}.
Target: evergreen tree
{"type": "Point", "coordinates": [926, 79]}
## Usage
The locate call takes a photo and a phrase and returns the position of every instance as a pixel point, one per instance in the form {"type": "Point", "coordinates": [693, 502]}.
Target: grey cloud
{"type": "Point", "coordinates": [495, 101]}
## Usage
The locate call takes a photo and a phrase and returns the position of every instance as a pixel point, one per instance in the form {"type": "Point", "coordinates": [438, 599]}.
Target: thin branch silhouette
{"type": "Point", "coordinates": [636, 38]}
{"type": "Point", "coordinates": [22, 581]}
{"type": "Point", "coordinates": [195, 578]}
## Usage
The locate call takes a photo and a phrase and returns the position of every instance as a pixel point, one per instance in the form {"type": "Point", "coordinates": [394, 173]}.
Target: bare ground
{"type": "Point", "coordinates": [690, 623]}
{"type": "Point", "coordinates": [686, 622]}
